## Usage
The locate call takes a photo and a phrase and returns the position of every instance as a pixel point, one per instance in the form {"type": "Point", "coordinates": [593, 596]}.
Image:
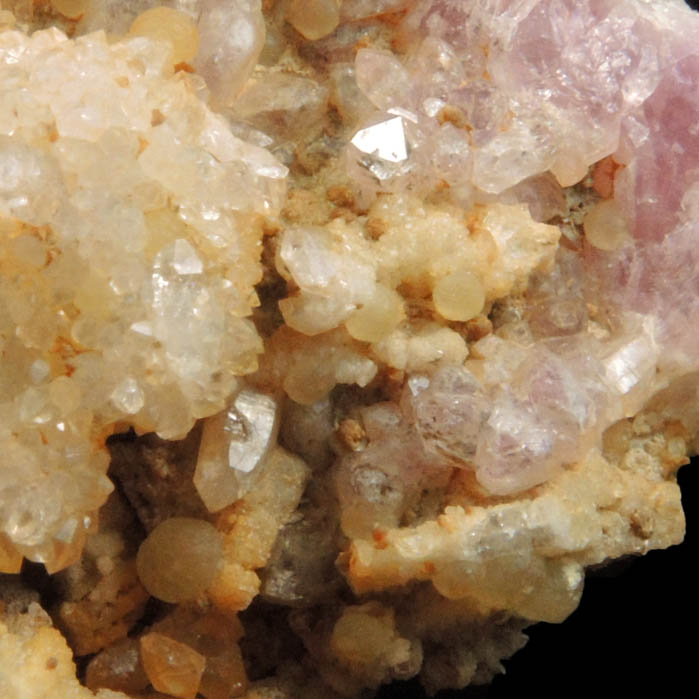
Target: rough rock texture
{"type": "Point", "coordinates": [338, 337]}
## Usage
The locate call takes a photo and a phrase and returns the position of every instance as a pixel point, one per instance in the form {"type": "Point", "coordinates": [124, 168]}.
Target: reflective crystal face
{"type": "Point", "coordinates": [233, 448]}
{"type": "Point", "coordinates": [385, 140]}
{"type": "Point", "coordinates": [375, 317]}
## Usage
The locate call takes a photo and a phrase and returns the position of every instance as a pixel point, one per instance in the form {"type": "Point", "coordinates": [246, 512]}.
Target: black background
{"type": "Point", "coordinates": [633, 633]}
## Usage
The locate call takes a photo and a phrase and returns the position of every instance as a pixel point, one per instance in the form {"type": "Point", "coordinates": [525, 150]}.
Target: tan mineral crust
{"type": "Point", "coordinates": [339, 337]}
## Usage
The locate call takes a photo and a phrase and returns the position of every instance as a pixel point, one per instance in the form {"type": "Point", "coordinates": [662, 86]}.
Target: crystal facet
{"type": "Point", "coordinates": [385, 311]}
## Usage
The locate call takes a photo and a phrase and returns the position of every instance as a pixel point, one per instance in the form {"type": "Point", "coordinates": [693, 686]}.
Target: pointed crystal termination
{"type": "Point", "coordinates": [234, 445]}
{"type": "Point", "coordinates": [232, 34]}
{"type": "Point", "coordinates": [172, 667]}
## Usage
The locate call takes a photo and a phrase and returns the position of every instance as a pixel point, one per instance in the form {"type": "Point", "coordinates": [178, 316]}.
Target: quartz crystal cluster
{"type": "Point", "coordinates": [379, 315]}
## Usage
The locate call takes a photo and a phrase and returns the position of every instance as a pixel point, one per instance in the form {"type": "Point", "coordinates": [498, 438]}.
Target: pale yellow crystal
{"type": "Point", "coordinates": [420, 347]}
{"type": "Point", "coordinates": [586, 515]}
{"type": "Point", "coordinates": [251, 527]}
{"type": "Point", "coordinates": [172, 26]}
{"type": "Point", "coordinates": [314, 18]}
{"type": "Point", "coordinates": [179, 559]}
{"type": "Point", "coordinates": [605, 226]}
{"type": "Point", "coordinates": [378, 317]}
{"type": "Point", "coordinates": [459, 295]}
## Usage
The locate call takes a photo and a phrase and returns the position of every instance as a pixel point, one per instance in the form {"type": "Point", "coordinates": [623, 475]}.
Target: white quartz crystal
{"type": "Point", "coordinates": [129, 253]}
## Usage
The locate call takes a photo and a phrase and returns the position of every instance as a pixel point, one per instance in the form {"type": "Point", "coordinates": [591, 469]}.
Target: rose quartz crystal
{"type": "Point", "coordinates": [490, 95]}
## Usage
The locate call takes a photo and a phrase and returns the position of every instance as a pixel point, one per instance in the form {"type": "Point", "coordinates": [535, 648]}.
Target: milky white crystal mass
{"type": "Point", "coordinates": [130, 247]}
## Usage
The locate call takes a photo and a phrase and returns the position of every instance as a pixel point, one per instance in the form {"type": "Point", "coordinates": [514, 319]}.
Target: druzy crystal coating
{"type": "Point", "coordinates": [397, 298]}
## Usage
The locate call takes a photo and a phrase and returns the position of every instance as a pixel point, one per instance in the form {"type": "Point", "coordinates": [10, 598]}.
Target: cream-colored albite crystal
{"type": "Point", "coordinates": [308, 368]}
{"type": "Point", "coordinates": [251, 526]}
{"type": "Point", "coordinates": [334, 271]}
{"type": "Point", "coordinates": [419, 347]}
{"type": "Point", "coordinates": [422, 243]}
{"type": "Point", "coordinates": [36, 662]}
{"type": "Point", "coordinates": [575, 520]}
{"type": "Point", "coordinates": [233, 448]}
{"type": "Point", "coordinates": [131, 227]}
{"type": "Point", "coordinates": [343, 275]}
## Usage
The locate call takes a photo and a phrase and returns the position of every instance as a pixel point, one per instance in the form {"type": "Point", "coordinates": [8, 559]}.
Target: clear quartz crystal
{"type": "Point", "coordinates": [233, 448]}
{"type": "Point", "coordinates": [128, 396]}
{"type": "Point", "coordinates": [450, 409]}
{"type": "Point", "coordinates": [385, 140]}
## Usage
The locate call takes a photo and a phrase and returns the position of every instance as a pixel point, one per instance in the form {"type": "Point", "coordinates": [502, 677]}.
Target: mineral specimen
{"type": "Point", "coordinates": [339, 337]}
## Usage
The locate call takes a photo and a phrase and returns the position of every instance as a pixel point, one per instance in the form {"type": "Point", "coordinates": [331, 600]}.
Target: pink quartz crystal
{"type": "Point", "coordinates": [489, 95]}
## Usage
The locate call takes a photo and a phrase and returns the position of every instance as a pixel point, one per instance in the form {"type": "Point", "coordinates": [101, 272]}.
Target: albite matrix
{"type": "Point", "coordinates": [339, 337]}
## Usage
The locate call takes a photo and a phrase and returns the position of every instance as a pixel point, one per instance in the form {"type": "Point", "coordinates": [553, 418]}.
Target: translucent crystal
{"type": "Point", "coordinates": [472, 309]}
{"type": "Point", "coordinates": [450, 409]}
{"type": "Point", "coordinates": [128, 280]}
{"type": "Point", "coordinates": [185, 260]}
{"type": "Point", "coordinates": [233, 448]}
{"type": "Point", "coordinates": [231, 34]}
{"type": "Point", "coordinates": [385, 140]}
{"type": "Point", "coordinates": [334, 272]}
{"type": "Point", "coordinates": [281, 105]}
{"type": "Point", "coordinates": [172, 667]}
{"type": "Point", "coordinates": [128, 396]}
